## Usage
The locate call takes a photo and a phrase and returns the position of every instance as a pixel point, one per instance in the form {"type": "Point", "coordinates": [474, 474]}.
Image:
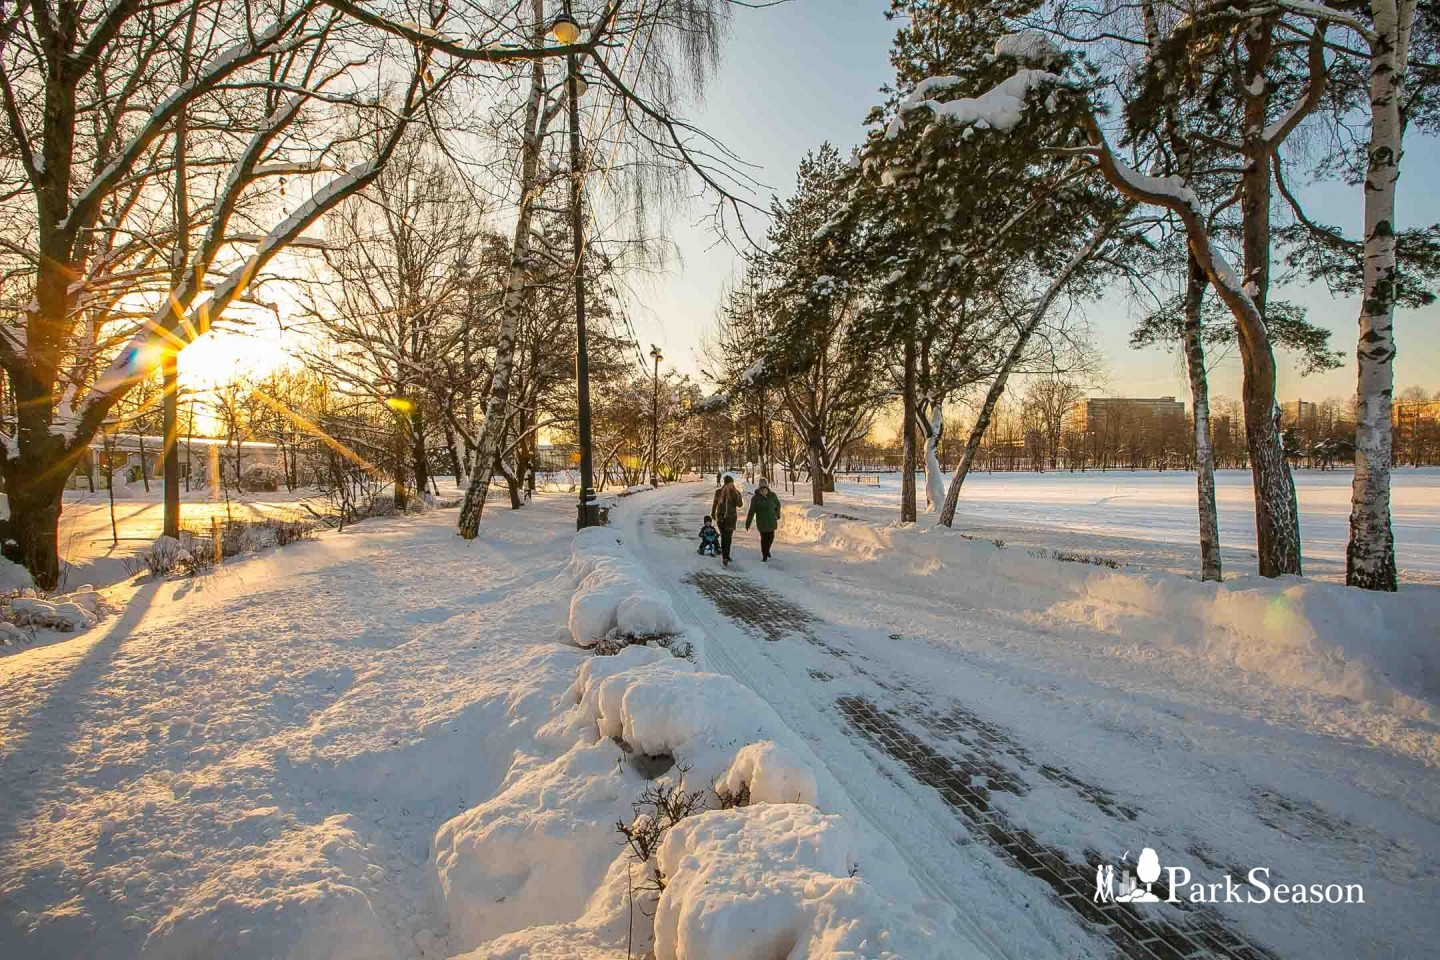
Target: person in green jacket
{"type": "Point", "coordinates": [765, 512]}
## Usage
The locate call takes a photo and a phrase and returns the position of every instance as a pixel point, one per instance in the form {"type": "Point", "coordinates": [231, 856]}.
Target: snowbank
{"type": "Point", "coordinates": [774, 881]}
{"type": "Point", "coordinates": [542, 870]}
{"type": "Point", "coordinates": [769, 773]}
{"type": "Point", "coordinates": [24, 614]}
{"type": "Point", "coordinates": [537, 852]}
{"type": "Point", "coordinates": [616, 597]}
{"type": "Point", "coordinates": [12, 575]}
{"type": "Point", "coordinates": [1372, 648]}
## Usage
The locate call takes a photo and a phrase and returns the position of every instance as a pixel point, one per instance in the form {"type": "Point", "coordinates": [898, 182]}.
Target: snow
{"type": "Point", "coordinates": [13, 577]}
{"type": "Point", "coordinates": [385, 744]}
{"type": "Point", "coordinates": [537, 870]}
{"type": "Point", "coordinates": [1372, 648]}
{"type": "Point", "coordinates": [1029, 46]}
{"type": "Point", "coordinates": [769, 773]}
{"type": "Point", "coordinates": [615, 596]}
{"type": "Point", "coordinates": [537, 852]}
{"type": "Point", "coordinates": [252, 764]}
{"type": "Point", "coordinates": [1171, 187]}
{"type": "Point", "coordinates": [1112, 740]}
{"type": "Point", "coordinates": [1148, 518]}
{"type": "Point", "coordinates": [999, 108]}
{"type": "Point", "coordinates": [64, 615]}
{"type": "Point", "coordinates": [30, 617]}
{"type": "Point", "coordinates": [778, 881]}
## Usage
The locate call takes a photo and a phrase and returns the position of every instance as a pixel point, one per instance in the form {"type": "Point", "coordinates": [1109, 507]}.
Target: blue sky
{"type": "Point", "coordinates": [807, 71]}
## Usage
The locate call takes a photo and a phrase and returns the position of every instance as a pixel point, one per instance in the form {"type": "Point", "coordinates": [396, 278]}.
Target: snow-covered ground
{"type": "Point", "coordinates": [917, 664]}
{"type": "Point", "coordinates": [1148, 518]}
{"type": "Point", "coordinates": [386, 745]}
{"type": "Point", "coordinates": [90, 553]}
{"type": "Point", "coordinates": [253, 764]}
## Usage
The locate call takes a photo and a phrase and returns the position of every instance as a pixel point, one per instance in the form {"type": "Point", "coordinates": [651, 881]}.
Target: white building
{"type": "Point", "coordinates": [200, 459]}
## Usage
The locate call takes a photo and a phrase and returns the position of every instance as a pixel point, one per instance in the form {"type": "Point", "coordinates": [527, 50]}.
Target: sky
{"type": "Point", "coordinates": [795, 75]}
{"type": "Point", "coordinates": [807, 71]}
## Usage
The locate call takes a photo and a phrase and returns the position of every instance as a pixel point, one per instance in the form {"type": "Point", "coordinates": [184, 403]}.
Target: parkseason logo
{"type": "Point", "coordinates": [1138, 882]}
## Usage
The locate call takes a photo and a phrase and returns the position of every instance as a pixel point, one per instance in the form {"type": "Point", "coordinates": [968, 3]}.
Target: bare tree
{"type": "Point", "coordinates": [92, 97]}
{"type": "Point", "coordinates": [401, 261]}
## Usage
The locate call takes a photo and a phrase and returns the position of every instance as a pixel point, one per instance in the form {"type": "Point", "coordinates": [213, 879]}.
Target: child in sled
{"type": "Point", "coordinates": [709, 539]}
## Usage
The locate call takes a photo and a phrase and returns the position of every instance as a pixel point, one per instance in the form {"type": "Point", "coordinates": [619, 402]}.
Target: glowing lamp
{"type": "Point", "coordinates": [565, 30]}
{"type": "Point", "coordinates": [399, 404]}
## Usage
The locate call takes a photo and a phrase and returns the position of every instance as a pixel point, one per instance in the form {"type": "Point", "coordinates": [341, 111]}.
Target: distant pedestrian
{"type": "Point", "coordinates": [726, 511]}
{"type": "Point", "coordinates": [765, 512]}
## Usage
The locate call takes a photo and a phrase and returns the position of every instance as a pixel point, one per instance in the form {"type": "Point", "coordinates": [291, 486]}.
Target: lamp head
{"type": "Point", "coordinates": [565, 30]}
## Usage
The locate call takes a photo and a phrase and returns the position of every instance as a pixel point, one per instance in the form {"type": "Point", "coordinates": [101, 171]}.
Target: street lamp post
{"type": "Point", "coordinates": [655, 420]}
{"type": "Point", "coordinates": [567, 31]}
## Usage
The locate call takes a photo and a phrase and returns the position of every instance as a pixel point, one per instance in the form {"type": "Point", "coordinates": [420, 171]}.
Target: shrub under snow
{"type": "Point", "coordinates": [67, 613]}
{"type": "Point", "coordinates": [777, 880]}
{"type": "Point", "coordinates": [615, 597]}
{"type": "Point", "coordinates": [539, 871]}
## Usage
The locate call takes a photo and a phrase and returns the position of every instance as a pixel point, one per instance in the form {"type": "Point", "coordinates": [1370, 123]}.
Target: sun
{"type": "Point", "coordinates": [221, 355]}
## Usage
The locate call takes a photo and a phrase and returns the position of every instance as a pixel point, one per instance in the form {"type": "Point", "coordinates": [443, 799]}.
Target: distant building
{"type": "Point", "coordinates": [1416, 411]}
{"type": "Point", "coordinates": [1093, 413]}
{"type": "Point", "coordinates": [129, 454]}
{"type": "Point", "coordinates": [1302, 413]}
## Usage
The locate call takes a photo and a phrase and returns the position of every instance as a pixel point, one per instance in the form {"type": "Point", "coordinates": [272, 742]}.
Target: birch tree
{"type": "Point", "coordinates": [1370, 554]}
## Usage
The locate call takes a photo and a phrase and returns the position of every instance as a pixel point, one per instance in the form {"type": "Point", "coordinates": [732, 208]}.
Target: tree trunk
{"type": "Point", "coordinates": [35, 506]}
{"type": "Point", "coordinates": [516, 284]}
{"type": "Point", "coordinates": [1370, 555]}
{"type": "Point", "coordinates": [817, 469]}
{"type": "Point", "coordinates": [398, 458]}
{"type": "Point", "coordinates": [144, 473]}
{"type": "Point", "coordinates": [170, 426]}
{"type": "Point", "coordinates": [419, 459]}
{"type": "Point", "coordinates": [934, 430]}
{"type": "Point", "coordinates": [1200, 397]}
{"type": "Point", "coordinates": [1277, 519]}
{"type": "Point", "coordinates": [1017, 350]}
{"type": "Point", "coordinates": [512, 482]}
{"type": "Point", "coordinates": [908, 463]}
{"type": "Point", "coordinates": [454, 451]}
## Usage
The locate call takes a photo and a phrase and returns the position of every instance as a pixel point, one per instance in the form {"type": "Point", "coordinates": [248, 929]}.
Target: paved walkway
{"type": "Point", "coordinates": [964, 794]}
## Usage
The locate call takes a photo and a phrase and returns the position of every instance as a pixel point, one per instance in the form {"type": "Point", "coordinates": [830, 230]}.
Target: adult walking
{"type": "Point", "coordinates": [765, 511]}
{"type": "Point", "coordinates": [726, 511]}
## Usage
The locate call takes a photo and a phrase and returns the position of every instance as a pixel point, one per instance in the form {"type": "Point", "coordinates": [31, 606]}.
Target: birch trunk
{"type": "Point", "coordinates": [1200, 398]}
{"type": "Point", "coordinates": [907, 427]}
{"type": "Point", "coordinates": [1370, 556]}
{"type": "Point", "coordinates": [934, 429]}
{"type": "Point", "coordinates": [997, 386]}
{"type": "Point", "coordinates": [483, 462]}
